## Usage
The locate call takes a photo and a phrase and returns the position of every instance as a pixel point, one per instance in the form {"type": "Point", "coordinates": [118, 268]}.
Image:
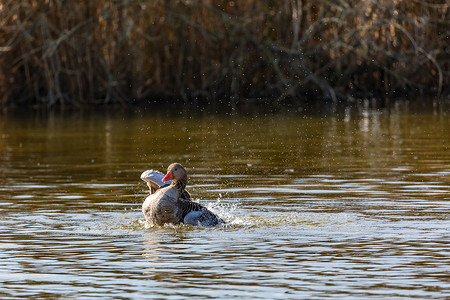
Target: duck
{"type": "Point", "coordinates": [169, 202]}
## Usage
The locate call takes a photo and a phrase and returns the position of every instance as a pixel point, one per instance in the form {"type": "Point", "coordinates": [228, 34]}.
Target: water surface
{"type": "Point", "coordinates": [353, 204]}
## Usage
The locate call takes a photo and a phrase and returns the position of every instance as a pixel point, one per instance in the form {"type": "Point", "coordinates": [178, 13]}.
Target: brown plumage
{"type": "Point", "coordinates": [154, 181]}
{"type": "Point", "coordinates": [171, 204]}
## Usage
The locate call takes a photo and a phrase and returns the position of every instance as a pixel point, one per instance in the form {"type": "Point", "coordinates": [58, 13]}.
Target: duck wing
{"type": "Point", "coordinates": [194, 213]}
{"type": "Point", "coordinates": [153, 179]}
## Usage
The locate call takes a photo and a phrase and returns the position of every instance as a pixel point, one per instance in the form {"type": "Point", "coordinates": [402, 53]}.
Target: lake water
{"type": "Point", "coordinates": [347, 205]}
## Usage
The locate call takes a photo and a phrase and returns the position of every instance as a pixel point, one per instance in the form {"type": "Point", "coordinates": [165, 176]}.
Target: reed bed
{"type": "Point", "coordinates": [57, 52]}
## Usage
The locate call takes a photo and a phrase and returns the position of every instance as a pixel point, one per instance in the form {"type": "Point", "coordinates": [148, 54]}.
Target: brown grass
{"type": "Point", "coordinates": [94, 52]}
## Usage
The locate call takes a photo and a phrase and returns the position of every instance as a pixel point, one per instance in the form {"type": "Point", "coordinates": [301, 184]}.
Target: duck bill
{"type": "Point", "coordinates": [168, 176]}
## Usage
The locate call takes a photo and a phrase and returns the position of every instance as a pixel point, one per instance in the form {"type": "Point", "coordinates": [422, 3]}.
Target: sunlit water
{"type": "Point", "coordinates": [348, 205]}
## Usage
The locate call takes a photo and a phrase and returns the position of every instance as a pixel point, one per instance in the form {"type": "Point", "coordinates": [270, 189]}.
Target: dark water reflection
{"type": "Point", "coordinates": [347, 205]}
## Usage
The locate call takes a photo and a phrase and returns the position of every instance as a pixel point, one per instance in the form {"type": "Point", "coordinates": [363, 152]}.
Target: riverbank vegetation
{"type": "Point", "coordinates": [56, 52]}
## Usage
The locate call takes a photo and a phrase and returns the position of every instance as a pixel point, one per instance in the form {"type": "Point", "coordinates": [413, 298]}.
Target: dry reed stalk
{"type": "Point", "coordinates": [79, 53]}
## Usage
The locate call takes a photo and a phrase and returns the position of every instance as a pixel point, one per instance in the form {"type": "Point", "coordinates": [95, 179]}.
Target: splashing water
{"type": "Point", "coordinates": [226, 211]}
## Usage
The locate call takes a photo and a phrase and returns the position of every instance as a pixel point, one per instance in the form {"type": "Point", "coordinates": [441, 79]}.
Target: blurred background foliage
{"type": "Point", "coordinates": [55, 52]}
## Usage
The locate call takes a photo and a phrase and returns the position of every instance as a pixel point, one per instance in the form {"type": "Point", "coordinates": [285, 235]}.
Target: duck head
{"type": "Point", "coordinates": [176, 172]}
